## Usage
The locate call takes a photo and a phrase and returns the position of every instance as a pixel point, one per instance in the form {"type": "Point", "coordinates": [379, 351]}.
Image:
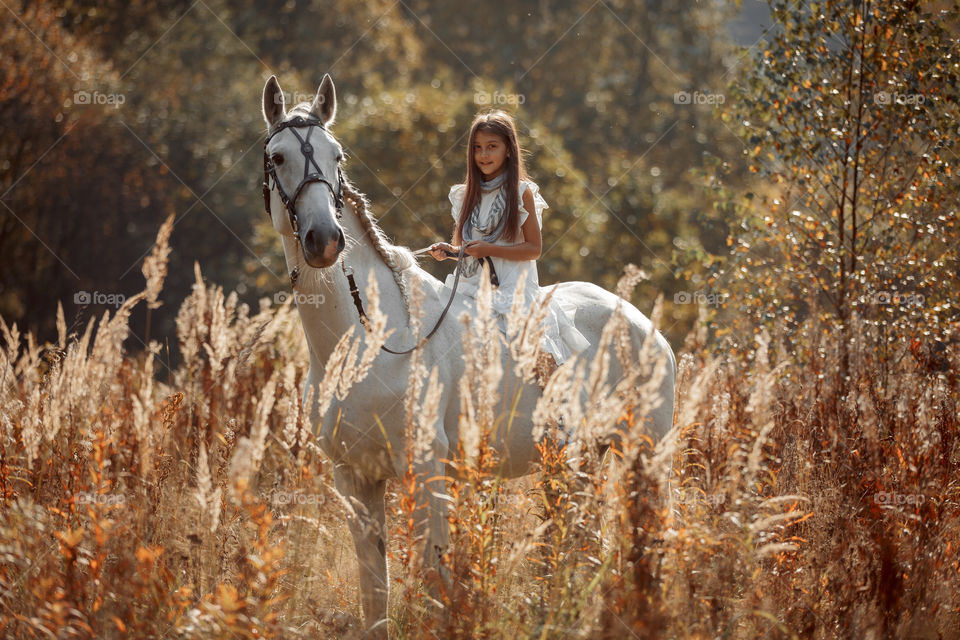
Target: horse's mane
{"type": "Point", "coordinates": [399, 259]}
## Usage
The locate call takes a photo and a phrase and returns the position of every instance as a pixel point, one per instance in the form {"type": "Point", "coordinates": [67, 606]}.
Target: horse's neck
{"type": "Point", "coordinates": [324, 302]}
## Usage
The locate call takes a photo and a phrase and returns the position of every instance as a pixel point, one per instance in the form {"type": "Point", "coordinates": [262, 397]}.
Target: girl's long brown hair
{"type": "Point", "coordinates": [500, 124]}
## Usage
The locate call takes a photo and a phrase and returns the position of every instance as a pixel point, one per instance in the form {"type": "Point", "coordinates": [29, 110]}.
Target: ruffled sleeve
{"type": "Point", "coordinates": [539, 204]}
{"type": "Point", "coordinates": [456, 200]}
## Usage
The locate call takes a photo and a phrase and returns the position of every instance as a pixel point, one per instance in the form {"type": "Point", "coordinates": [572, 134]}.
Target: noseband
{"type": "Point", "coordinates": [270, 171]}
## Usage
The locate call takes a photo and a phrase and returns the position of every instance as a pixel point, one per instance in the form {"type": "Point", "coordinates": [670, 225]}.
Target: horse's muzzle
{"type": "Point", "coordinates": [322, 249]}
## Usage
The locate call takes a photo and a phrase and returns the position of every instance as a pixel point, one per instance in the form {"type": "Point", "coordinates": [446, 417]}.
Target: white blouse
{"type": "Point", "coordinates": [561, 338]}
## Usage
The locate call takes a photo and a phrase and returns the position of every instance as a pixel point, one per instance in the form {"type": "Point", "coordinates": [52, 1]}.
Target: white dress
{"type": "Point", "coordinates": [561, 338]}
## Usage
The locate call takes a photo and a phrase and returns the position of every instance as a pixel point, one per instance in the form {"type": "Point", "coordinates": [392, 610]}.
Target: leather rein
{"type": "Point", "coordinates": [270, 173]}
{"type": "Point", "coordinates": [358, 303]}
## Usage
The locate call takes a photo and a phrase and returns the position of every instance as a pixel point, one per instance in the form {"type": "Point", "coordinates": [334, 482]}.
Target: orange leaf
{"type": "Point", "coordinates": [228, 597]}
{"type": "Point", "coordinates": [71, 538]}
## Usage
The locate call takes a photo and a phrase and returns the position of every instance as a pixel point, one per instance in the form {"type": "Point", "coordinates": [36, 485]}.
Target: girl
{"type": "Point", "coordinates": [498, 214]}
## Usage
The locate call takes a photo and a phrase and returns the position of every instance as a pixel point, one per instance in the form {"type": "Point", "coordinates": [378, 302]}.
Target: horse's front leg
{"type": "Point", "coordinates": [431, 502]}
{"type": "Point", "coordinates": [367, 525]}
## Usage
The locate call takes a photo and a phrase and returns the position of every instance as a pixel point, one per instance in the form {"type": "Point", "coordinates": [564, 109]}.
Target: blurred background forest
{"type": "Point", "coordinates": [118, 114]}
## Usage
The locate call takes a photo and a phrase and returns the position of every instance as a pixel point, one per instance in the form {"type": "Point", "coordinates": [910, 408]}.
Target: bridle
{"type": "Point", "coordinates": [270, 171]}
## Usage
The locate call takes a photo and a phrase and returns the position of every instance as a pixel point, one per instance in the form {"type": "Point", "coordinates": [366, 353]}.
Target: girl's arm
{"type": "Point", "coordinates": [529, 249]}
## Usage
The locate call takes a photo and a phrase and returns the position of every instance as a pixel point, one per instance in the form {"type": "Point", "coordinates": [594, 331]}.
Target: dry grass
{"type": "Point", "coordinates": [785, 503]}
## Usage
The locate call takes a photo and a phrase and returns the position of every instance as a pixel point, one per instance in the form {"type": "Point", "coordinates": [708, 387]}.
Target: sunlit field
{"type": "Point", "coordinates": [200, 507]}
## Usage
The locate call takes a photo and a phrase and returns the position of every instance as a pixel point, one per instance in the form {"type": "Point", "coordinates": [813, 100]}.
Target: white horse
{"type": "Point", "coordinates": [364, 433]}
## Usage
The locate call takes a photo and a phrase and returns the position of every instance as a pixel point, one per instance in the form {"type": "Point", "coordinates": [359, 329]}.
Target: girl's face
{"type": "Point", "coordinates": [490, 154]}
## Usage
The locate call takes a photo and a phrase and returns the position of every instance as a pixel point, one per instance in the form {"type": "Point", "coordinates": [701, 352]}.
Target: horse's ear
{"type": "Point", "coordinates": [273, 106]}
{"type": "Point", "coordinates": [325, 104]}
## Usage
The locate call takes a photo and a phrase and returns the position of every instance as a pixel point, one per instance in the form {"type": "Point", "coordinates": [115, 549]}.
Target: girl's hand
{"type": "Point", "coordinates": [478, 249]}
{"type": "Point", "coordinates": [442, 250]}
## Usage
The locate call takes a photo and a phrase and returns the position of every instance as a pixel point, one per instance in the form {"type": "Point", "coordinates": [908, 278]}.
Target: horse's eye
{"type": "Point", "coordinates": [339, 158]}
{"type": "Point", "coordinates": [277, 159]}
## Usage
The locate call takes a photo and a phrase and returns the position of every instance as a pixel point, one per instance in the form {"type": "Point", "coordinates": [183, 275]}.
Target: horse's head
{"type": "Point", "coordinates": [303, 186]}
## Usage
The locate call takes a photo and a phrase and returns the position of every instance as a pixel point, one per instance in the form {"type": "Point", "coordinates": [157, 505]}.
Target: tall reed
{"type": "Point", "coordinates": [778, 506]}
